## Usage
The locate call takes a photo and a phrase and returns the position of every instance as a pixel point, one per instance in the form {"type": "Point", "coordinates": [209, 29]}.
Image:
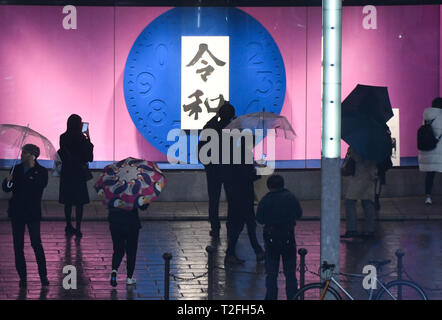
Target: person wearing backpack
{"type": "Point", "coordinates": [430, 160]}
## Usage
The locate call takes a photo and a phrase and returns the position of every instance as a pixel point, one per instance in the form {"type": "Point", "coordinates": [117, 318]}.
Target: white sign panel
{"type": "Point", "coordinates": [204, 79]}
{"type": "Point", "coordinates": [393, 124]}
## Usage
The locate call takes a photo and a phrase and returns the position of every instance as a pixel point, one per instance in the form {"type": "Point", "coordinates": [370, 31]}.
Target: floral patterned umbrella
{"type": "Point", "coordinates": [130, 183]}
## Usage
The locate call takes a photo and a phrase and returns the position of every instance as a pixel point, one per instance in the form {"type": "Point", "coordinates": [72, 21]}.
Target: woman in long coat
{"type": "Point", "coordinates": [361, 186]}
{"type": "Point", "coordinates": [431, 161]}
{"type": "Point", "coordinates": [76, 151]}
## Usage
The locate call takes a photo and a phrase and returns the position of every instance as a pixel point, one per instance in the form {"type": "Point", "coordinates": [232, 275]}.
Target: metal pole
{"type": "Point", "coordinates": [302, 252]}
{"type": "Point", "coordinates": [331, 131]}
{"type": "Point", "coordinates": [399, 254]}
{"type": "Point", "coordinates": [167, 257]}
{"type": "Point", "coordinates": [210, 250]}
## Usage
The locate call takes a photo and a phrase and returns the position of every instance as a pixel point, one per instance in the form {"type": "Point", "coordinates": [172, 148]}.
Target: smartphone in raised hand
{"type": "Point", "coordinates": [85, 127]}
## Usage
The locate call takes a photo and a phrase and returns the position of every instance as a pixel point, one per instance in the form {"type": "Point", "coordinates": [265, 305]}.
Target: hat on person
{"type": "Point", "coordinates": [32, 149]}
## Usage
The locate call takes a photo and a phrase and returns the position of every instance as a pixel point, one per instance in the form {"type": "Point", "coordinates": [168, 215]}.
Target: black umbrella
{"type": "Point", "coordinates": [366, 136]}
{"type": "Point", "coordinates": [369, 100]}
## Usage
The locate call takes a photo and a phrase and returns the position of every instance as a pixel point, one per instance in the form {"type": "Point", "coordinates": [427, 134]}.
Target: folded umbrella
{"type": "Point", "coordinates": [130, 183]}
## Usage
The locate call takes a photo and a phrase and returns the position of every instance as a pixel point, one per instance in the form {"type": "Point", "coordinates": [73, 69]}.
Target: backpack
{"type": "Point", "coordinates": [426, 140]}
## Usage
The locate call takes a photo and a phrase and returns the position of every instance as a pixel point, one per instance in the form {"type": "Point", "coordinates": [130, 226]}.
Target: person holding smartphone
{"type": "Point", "coordinates": [76, 150]}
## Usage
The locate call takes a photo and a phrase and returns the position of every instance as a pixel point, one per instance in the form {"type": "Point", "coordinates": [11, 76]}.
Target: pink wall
{"type": "Point", "coordinates": [47, 73]}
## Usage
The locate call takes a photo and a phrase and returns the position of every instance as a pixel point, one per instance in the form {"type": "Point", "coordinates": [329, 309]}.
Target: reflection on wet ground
{"type": "Point", "coordinates": [186, 241]}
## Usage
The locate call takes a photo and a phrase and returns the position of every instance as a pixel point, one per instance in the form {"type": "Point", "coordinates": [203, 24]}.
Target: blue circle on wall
{"type": "Point", "coordinates": [152, 75]}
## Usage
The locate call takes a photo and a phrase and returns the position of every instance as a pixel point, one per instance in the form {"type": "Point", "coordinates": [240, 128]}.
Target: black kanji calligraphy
{"type": "Point", "coordinates": [206, 71]}
{"type": "Point", "coordinates": [194, 107]}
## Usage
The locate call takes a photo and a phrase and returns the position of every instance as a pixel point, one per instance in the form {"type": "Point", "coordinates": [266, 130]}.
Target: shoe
{"type": "Point", "coordinates": [349, 234]}
{"type": "Point", "coordinates": [233, 260]}
{"type": "Point", "coordinates": [428, 200]}
{"type": "Point", "coordinates": [44, 282]}
{"type": "Point", "coordinates": [260, 256]}
{"type": "Point", "coordinates": [113, 280]}
{"type": "Point", "coordinates": [78, 234]}
{"type": "Point", "coordinates": [23, 284]}
{"type": "Point", "coordinates": [131, 281]}
{"type": "Point", "coordinates": [69, 229]}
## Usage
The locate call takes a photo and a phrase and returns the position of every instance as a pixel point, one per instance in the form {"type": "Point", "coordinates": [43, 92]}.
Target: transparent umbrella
{"type": "Point", "coordinates": [264, 120]}
{"type": "Point", "coordinates": [13, 137]}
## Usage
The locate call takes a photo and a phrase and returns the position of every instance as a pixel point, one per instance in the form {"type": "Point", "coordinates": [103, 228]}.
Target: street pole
{"type": "Point", "coordinates": [331, 131]}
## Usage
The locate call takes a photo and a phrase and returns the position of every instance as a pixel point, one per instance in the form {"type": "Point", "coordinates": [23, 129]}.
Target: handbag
{"type": "Point", "coordinates": [85, 173]}
{"type": "Point", "coordinates": [348, 167]}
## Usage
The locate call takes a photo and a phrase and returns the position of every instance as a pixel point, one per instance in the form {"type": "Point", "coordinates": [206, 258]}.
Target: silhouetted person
{"type": "Point", "coordinates": [28, 182]}
{"type": "Point", "coordinates": [214, 172]}
{"type": "Point", "coordinates": [431, 161]}
{"type": "Point", "coordinates": [76, 151]}
{"type": "Point", "coordinates": [278, 211]}
{"type": "Point", "coordinates": [124, 227]}
{"type": "Point", "coordinates": [240, 195]}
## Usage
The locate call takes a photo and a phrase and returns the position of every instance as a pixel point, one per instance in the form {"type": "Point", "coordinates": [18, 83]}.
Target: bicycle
{"type": "Point", "coordinates": [393, 290]}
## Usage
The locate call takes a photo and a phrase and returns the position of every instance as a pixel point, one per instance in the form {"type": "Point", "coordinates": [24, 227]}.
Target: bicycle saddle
{"type": "Point", "coordinates": [379, 263]}
{"type": "Point", "coordinates": [325, 266]}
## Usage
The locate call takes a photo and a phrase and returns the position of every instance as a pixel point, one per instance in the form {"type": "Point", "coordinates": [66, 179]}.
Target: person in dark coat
{"type": "Point", "coordinates": [278, 211]}
{"type": "Point", "coordinates": [76, 150]}
{"type": "Point", "coordinates": [28, 181]}
{"type": "Point", "coordinates": [214, 171]}
{"type": "Point", "coordinates": [239, 178]}
{"type": "Point", "coordinates": [124, 227]}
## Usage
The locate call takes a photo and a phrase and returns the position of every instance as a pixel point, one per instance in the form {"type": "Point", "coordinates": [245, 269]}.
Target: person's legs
{"type": "Point", "coordinates": [118, 246]}
{"type": "Point", "coordinates": [272, 269]}
{"type": "Point", "coordinates": [34, 234]}
{"type": "Point", "coordinates": [68, 216]}
{"type": "Point", "coordinates": [247, 209]}
{"type": "Point", "coordinates": [369, 212]}
{"type": "Point", "coordinates": [429, 179]}
{"type": "Point", "coordinates": [350, 216]}
{"type": "Point", "coordinates": [289, 266]}
{"type": "Point", "coordinates": [18, 235]}
{"type": "Point", "coordinates": [78, 218]}
{"type": "Point", "coordinates": [235, 222]}
{"type": "Point", "coordinates": [131, 251]}
{"type": "Point", "coordinates": [214, 184]}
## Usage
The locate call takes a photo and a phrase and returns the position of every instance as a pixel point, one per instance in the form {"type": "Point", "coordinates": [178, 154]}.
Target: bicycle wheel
{"type": "Point", "coordinates": [313, 291]}
{"type": "Point", "coordinates": [401, 290]}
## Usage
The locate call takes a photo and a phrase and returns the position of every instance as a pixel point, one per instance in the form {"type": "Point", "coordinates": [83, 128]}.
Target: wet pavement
{"type": "Point", "coordinates": [187, 240]}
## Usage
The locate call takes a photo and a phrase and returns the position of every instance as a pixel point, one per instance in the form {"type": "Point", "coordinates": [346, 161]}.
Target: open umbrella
{"type": "Point", "coordinates": [365, 112]}
{"type": "Point", "coordinates": [13, 137]}
{"type": "Point", "coordinates": [369, 100]}
{"type": "Point", "coordinates": [130, 183]}
{"type": "Point", "coordinates": [366, 136]}
{"type": "Point", "coordinates": [264, 120]}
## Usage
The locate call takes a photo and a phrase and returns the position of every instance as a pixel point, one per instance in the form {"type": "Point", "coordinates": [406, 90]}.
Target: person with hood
{"type": "Point", "coordinates": [431, 161]}
{"type": "Point", "coordinates": [27, 184]}
{"type": "Point", "coordinates": [214, 171]}
{"type": "Point", "coordinates": [76, 150]}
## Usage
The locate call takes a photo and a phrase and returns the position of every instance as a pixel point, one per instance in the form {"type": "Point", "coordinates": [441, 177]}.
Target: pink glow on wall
{"type": "Point", "coordinates": [47, 73]}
